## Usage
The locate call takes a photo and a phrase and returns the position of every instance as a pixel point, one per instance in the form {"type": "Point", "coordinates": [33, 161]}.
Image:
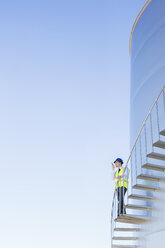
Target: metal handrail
{"type": "Point", "coordinates": [137, 140]}
{"type": "Point", "coordinates": [143, 127]}
{"type": "Point", "coordinates": [135, 23]}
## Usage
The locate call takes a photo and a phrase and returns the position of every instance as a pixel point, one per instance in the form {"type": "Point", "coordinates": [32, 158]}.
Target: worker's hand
{"type": "Point", "coordinates": [118, 177]}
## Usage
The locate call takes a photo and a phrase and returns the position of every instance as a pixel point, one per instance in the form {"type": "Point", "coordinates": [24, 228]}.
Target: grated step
{"type": "Point", "coordinates": [141, 197]}
{"type": "Point", "coordinates": [119, 229]}
{"type": "Point", "coordinates": [162, 132]}
{"type": "Point", "coordinates": [125, 246]}
{"type": "Point", "coordinates": [145, 187]}
{"type": "Point", "coordinates": [154, 167]}
{"type": "Point", "coordinates": [132, 219]}
{"type": "Point", "coordinates": [160, 144]}
{"type": "Point", "coordinates": [150, 177]}
{"type": "Point", "coordinates": [125, 238]}
{"type": "Point", "coordinates": [155, 155]}
{"type": "Point", "coordinates": [138, 207]}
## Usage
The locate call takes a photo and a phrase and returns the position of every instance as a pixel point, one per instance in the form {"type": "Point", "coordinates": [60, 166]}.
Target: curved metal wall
{"type": "Point", "coordinates": [147, 80]}
{"type": "Point", "coordinates": [147, 63]}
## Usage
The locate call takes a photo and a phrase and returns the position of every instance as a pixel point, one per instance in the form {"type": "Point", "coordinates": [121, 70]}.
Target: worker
{"type": "Point", "coordinates": [121, 176]}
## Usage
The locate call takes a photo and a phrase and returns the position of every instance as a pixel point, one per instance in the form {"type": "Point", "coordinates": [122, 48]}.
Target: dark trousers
{"type": "Point", "coordinates": [120, 197]}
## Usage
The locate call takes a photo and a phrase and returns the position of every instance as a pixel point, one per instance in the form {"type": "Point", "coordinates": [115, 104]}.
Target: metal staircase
{"type": "Point", "coordinates": [147, 166]}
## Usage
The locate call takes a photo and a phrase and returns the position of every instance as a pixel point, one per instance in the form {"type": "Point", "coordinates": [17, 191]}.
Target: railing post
{"type": "Point", "coordinates": [115, 204]}
{"type": "Point", "coordinates": [146, 142]}
{"type": "Point", "coordinates": [151, 132]}
{"type": "Point", "coordinates": [123, 197]}
{"type": "Point", "coordinates": [135, 166]}
{"type": "Point", "coordinates": [112, 224]}
{"type": "Point", "coordinates": [131, 175]}
{"type": "Point", "coordinates": [157, 112]}
{"type": "Point", "coordinates": [140, 154]}
{"type": "Point", "coordinates": [164, 98]}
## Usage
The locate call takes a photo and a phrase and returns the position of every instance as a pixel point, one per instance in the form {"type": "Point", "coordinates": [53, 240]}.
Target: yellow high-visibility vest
{"type": "Point", "coordinates": [121, 181]}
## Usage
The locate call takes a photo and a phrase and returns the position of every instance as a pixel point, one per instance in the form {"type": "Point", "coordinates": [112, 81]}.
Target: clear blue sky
{"type": "Point", "coordinates": [64, 107]}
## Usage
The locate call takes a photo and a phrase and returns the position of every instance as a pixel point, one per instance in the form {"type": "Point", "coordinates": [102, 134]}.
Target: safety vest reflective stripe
{"type": "Point", "coordinates": [121, 181]}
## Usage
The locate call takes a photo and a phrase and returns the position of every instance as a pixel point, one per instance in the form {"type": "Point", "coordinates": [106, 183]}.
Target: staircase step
{"type": "Point", "coordinates": [141, 197]}
{"type": "Point", "coordinates": [156, 156]}
{"type": "Point", "coordinates": [138, 207]}
{"type": "Point", "coordinates": [154, 167]}
{"type": "Point", "coordinates": [150, 177]}
{"type": "Point", "coordinates": [119, 229]}
{"type": "Point", "coordinates": [160, 144]}
{"type": "Point", "coordinates": [145, 187]}
{"type": "Point", "coordinates": [162, 132]}
{"type": "Point", "coordinates": [125, 246]}
{"type": "Point", "coordinates": [125, 238]}
{"type": "Point", "coordinates": [132, 219]}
